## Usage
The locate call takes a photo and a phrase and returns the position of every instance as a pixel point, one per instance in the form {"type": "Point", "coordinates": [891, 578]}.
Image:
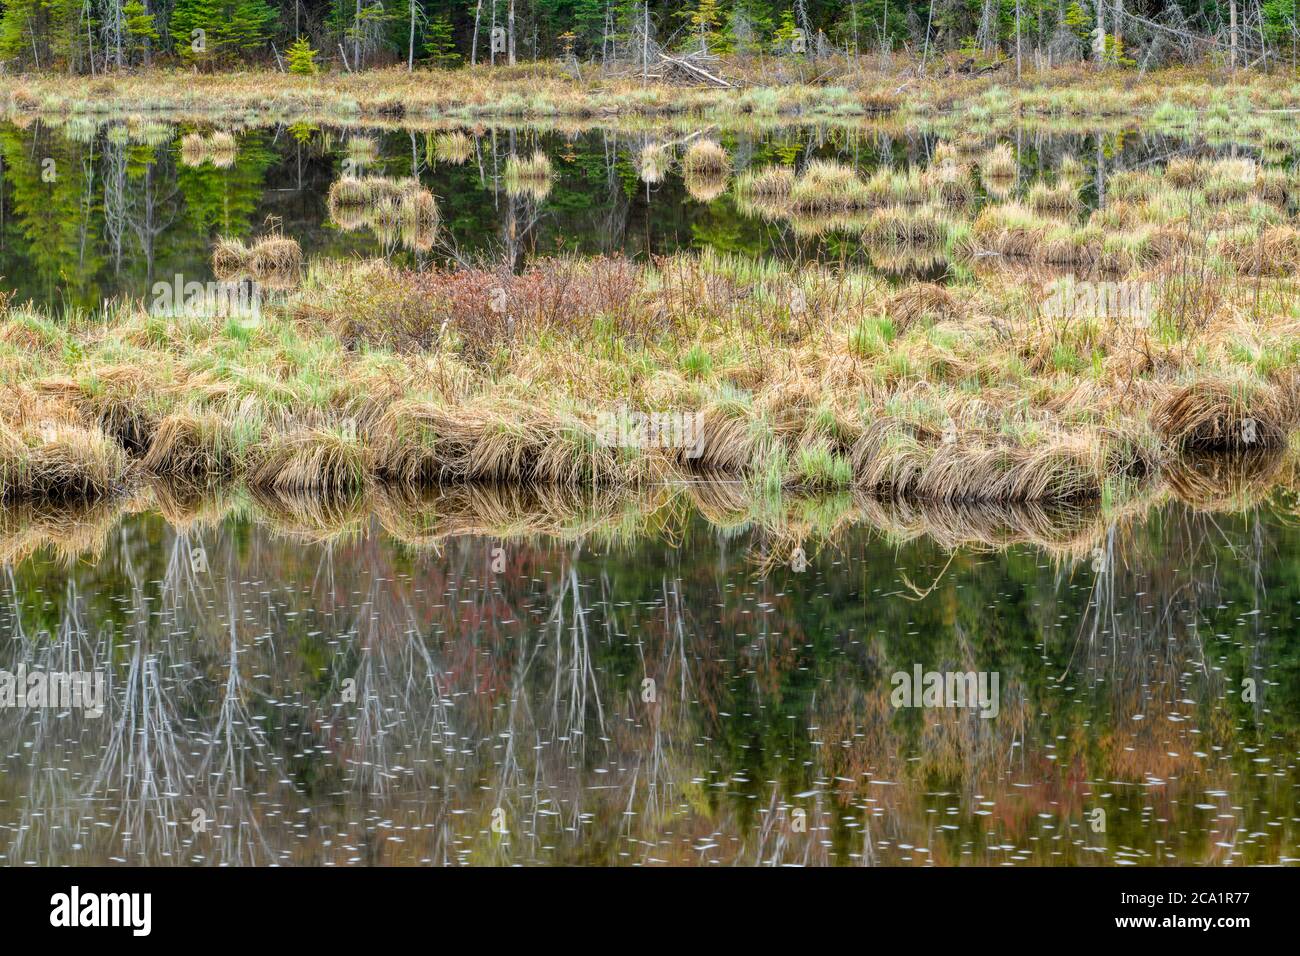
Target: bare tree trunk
{"type": "Point", "coordinates": [853, 12]}
{"type": "Point", "coordinates": [645, 42]}
{"type": "Point", "coordinates": [929, 20]}
{"type": "Point", "coordinates": [356, 38]}
{"type": "Point", "coordinates": [111, 32]}
{"type": "Point", "coordinates": [473, 49]}
{"type": "Point", "coordinates": [410, 42]}
{"type": "Point", "coordinates": [510, 20]}
{"type": "Point", "coordinates": [1100, 49]}
{"type": "Point", "coordinates": [1232, 27]}
{"type": "Point", "coordinates": [1101, 172]}
{"type": "Point", "coordinates": [1263, 40]}
{"type": "Point", "coordinates": [604, 37]}
{"type": "Point", "coordinates": [1017, 39]}
{"type": "Point", "coordinates": [148, 44]}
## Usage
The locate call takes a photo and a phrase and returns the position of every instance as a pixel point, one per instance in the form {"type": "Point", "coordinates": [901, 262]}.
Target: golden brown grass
{"type": "Point", "coordinates": [397, 210]}
{"type": "Point", "coordinates": [59, 462]}
{"type": "Point", "coordinates": [706, 157]}
{"type": "Point", "coordinates": [811, 376]}
{"type": "Point", "coordinates": [191, 447]}
{"type": "Point", "coordinates": [1214, 414]}
{"type": "Point", "coordinates": [858, 88]}
{"type": "Point", "coordinates": [528, 176]}
{"type": "Point", "coordinates": [273, 261]}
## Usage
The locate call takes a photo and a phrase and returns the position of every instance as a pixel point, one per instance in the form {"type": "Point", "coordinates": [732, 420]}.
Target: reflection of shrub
{"type": "Point", "coordinates": [654, 162]}
{"type": "Point", "coordinates": [454, 147]}
{"type": "Point", "coordinates": [396, 209]}
{"type": "Point", "coordinates": [705, 186]}
{"type": "Point", "coordinates": [221, 149]}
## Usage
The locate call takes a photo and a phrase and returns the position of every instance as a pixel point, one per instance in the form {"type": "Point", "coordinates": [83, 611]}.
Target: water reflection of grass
{"type": "Point", "coordinates": [474, 691]}
{"type": "Point", "coordinates": [619, 517]}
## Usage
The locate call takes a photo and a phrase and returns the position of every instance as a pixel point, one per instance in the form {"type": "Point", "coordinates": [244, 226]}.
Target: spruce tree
{"type": "Point", "coordinates": [440, 43]}
{"type": "Point", "coordinates": [220, 30]}
{"type": "Point", "coordinates": [302, 58]}
{"type": "Point", "coordinates": [140, 28]}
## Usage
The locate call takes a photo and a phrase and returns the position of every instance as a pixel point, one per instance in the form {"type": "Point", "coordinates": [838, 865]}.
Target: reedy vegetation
{"type": "Point", "coordinates": [808, 377]}
{"type": "Point", "coordinates": [834, 89]}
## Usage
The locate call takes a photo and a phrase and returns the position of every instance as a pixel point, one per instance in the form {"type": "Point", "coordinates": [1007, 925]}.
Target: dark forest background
{"type": "Point", "coordinates": [91, 36]}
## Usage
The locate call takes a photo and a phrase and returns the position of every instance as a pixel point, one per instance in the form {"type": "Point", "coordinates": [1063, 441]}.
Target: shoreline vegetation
{"type": "Point", "coordinates": [796, 378]}
{"type": "Point", "coordinates": [834, 89]}
{"type": "Point", "coordinates": [786, 525]}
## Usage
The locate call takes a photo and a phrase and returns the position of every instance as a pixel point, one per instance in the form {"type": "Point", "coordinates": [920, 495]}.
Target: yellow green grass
{"type": "Point", "coordinates": [1244, 105]}
{"type": "Point", "coordinates": [793, 377]}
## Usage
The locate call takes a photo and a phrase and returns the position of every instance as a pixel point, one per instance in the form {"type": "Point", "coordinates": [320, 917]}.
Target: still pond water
{"type": "Point", "coordinates": [681, 691]}
{"type": "Point", "coordinates": [94, 211]}
{"type": "Point", "coordinates": [650, 691]}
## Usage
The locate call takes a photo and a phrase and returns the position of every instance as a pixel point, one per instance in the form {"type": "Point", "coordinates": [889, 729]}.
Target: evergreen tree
{"type": "Point", "coordinates": [302, 58]}
{"type": "Point", "coordinates": [440, 42]}
{"type": "Point", "coordinates": [41, 32]}
{"type": "Point", "coordinates": [704, 22]}
{"type": "Point", "coordinates": [60, 34]}
{"type": "Point", "coordinates": [210, 31]}
{"type": "Point", "coordinates": [139, 27]}
{"type": "Point", "coordinates": [1281, 23]}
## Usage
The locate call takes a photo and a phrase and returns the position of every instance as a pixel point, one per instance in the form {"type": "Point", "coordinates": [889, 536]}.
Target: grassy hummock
{"type": "Point", "coordinates": [832, 88]}
{"type": "Point", "coordinates": [795, 378]}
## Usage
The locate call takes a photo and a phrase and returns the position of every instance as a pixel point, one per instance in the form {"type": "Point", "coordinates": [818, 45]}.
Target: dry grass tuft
{"type": "Point", "coordinates": [529, 177]}
{"type": "Point", "coordinates": [1061, 467]}
{"type": "Point", "coordinates": [769, 183]}
{"type": "Point", "coordinates": [1215, 415]}
{"type": "Point", "coordinates": [310, 459]}
{"type": "Point", "coordinates": [999, 164]}
{"type": "Point", "coordinates": [230, 259]}
{"type": "Point", "coordinates": [923, 302]}
{"type": "Point", "coordinates": [275, 262]}
{"type": "Point", "coordinates": [706, 157]}
{"type": "Point", "coordinates": [191, 447]}
{"type": "Point", "coordinates": [60, 462]}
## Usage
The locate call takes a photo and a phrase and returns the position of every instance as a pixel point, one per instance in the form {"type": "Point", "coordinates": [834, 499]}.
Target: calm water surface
{"type": "Point", "coordinates": [677, 695]}
{"type": "Point", "coordinates": [394, 685]}
{"type": "Point", "coordinates": [89, 211]}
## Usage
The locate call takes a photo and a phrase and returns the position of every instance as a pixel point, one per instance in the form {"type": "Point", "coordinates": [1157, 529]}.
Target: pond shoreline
{"type": "Point", "coordinates": [787, 526]}
{"type": "Point", "coordinates": [546, 90]}
{"type": "Point", "coordinates": [598, 372]}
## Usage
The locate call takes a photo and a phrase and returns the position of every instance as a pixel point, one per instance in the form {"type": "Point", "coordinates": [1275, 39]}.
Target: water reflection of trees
{"type": "Point", "coordinates": [130, 204]}
{"type": "Point", "coordinates": [356, 699]}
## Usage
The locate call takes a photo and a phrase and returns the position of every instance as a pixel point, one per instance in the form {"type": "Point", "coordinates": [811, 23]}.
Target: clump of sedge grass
{"type": "Point", "coordinates": [706, 157]}
{"type": "Point", "coordinates": [529, 177]}
{"type": "Point", "coordinates": [59, 462]}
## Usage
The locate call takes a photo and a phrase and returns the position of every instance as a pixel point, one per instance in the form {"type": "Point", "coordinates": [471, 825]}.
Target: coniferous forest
{"type": "Point", "coordinates": [88, 36]}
